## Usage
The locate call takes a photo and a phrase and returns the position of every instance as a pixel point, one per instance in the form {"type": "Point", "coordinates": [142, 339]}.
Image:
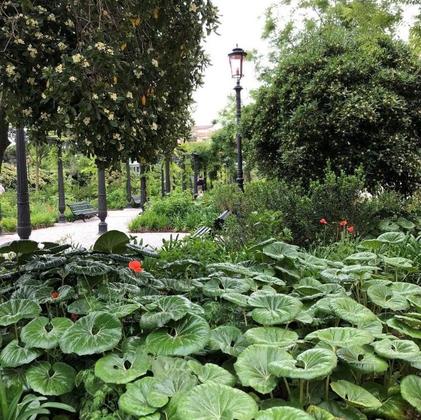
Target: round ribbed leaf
{"type": "Point", "coordinates": [44, 334]}
{"type": "Point", "coordinates": [236, 298]}
{"type": "Point", "coordinates": [212, 401]}
{"type": "Point", "coordinates": [403, 328]}
{"type": "Point", "coordinates": [362, 359]}
{"type": "Point", "coordinates": [273, 309]}
{"type": "Point", "coordinates": [94, 333]}
{"type": "Point", "coordinates": [211, 373]}
{"type": "Point", "coordinates": [142, 398]}
{"type": "Point", "coordinates": [411, 390]}
{"type": "Point", "coordinates": [252, 366]}
{"type": "Point", "coordinates": [396, 349]}
{"type": "Point", "coordinates": [14, 310]}
{"type": "Point", "coordinates": [280, 250]}
{"type": "Point", "coordinates": [391, 237]}
{"type": "Point", "coordinates": [165, 309]}
{"type": "Point", "coordinates": [355, 395]}
{"type": "Point", "coordinates": [320, 413]}
{"type": "Point", "coordinates": [117, 369]}
{"type": "Point", "coordinates": [232, 269]}
{"type": "Point", "coordinates": [87, 268]}
{"type": "Point", "coordinates": [360, 257]}
{"type": "Point", "coordinates": [112, 241]}
{"type": "Point", "coordinates": [311, 364]}
{"type": "Point", "coordinates": [384, 297]}
{"type": "Point", "coordinates": [398, 262]}
{"type": "Point", "coordinates": [13, 355]}
{"type": "Point", "coordinates": [283, 413]}
{"type": "Point", "coordinates": [228, 339]}
{"type": "Point", "coordinates": [272, 336]}
{"type": "Point", "coordinates": [222, 285]}
{"type": "Point", "coordinates": [188, 336]}
{"type": "Point", "coordinates": [47, 379]}
{"type": "Point", "coordinates": [351, 311]}
{"type": "Point", "coordinates": [341, 336]}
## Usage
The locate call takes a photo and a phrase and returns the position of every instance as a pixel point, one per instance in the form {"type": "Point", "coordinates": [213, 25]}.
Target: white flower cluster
{"type": "Point", "coordinates": [33, 52]}
{"type": "Point", "coordinates": [100, 46]}
{"type": "Point", "coordinates": [10, 70]}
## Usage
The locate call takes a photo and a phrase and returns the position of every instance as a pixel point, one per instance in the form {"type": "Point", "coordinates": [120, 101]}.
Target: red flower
{"type": "Point", "coordinates": [343, 223]}
{"type": "Point", "coordinates": [350, 229]}
{"type": "Point", "coordinates": [74, 317]}
{"type": "Point", "coordinates": [136, 266]}
{"type": "Point", "coordinates": [323, 221]}
{"type": "Point", "coordinates": [54, 294]}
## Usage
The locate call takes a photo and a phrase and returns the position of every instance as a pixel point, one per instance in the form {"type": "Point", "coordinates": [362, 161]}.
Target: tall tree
{"type": "Point", "coordinates": [118, 74]}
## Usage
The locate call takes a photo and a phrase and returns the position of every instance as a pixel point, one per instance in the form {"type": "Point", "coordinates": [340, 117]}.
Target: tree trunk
{"type": "Point", "coordinates": [167, 175]}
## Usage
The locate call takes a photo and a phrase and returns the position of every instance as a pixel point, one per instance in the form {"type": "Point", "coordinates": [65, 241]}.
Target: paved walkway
{"type": "Point", "coordinates": [86, 233]}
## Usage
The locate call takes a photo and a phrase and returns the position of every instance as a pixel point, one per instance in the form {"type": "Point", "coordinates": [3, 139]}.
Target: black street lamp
{"type": "Point", "coordinates": [24, 218]}
{"type": "Point", "coordinates": [60, 180]}
{"type": "Point", "coordinates": [236, 58]}
{"type": "Point", "coordinates": [128, 184]}
{"type": "Point", "coordinates": [195, 158]}
{"type": "Point", "coordinates": [102, 200]}
{"type": "Point", "coordinates": [143, 185]}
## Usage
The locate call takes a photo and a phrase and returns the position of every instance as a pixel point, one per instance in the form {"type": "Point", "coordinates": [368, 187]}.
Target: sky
{"type": "Point", "coordinates": [241, 22]}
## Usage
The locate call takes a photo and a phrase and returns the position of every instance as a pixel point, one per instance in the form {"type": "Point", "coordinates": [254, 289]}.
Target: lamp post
{"type": "Point", "coordinates": [236, 58]}
{"type": "Point", "coordinates": [195, 157]}
{"type": "Point", "coordinates": [128, 184]}
{"type": "Point", "coordinates": [60, 180]}
{"type": "Point", "coordinates": [102, 199]}
{"type": "Point", "coordinates": [24, 218]}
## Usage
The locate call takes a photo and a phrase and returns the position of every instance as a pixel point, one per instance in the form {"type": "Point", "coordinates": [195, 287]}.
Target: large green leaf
{"type": "Point", "coordinates": [232, 269]}
{"type": "Point", "coordinates": [252, 366]}
{"type": "Point", "coordinates": [362, 359]}
{"type": "Point", "coordinates": [211, 373]}
{"type": "Point", "coordinates": [391, 237]}
{"type": "Point", "coordinates": [165, 309]}
{"type": "Point", "coordinates": [212, 401]}
{"type": "Point", "coordinates": [221, 285]}
{"type": "Point", "coordinates": [385, 297]}
{"type": "Point", "coordinates": [87, 268]}
{"type": "Point", "coordinates": [271, 309]}
{"type": "Point", "coordinates": [338, 337]}
{"type": "Point", "coordinates": [362, 257]}
{"type": "Point", "coordinates": [47, 379]}
{"type": "Point", "coordinates": [404, 328]}
{"type": "Point", "coordinates": [280, 250]}
{"type": "Point", "coordinates": [14, 355]}
{"type": "Point", "coordinates": [351, 311]}
{"type": "Point", "coordinates": [112, 241]}
{"type": "Point", "coordinates": [342, 411]}
{"type": "Point", "coordinates": [94, 333]}
{"type": "Point", "coordinates": [320, 413]}
{"type": "Point", "coordinates": [283, 413]}
{"type": "Point", "coordinates": [396, 349]}
{"type": "Point", "coordinates": [117, 369]}
{"type": "Point", "coordinates": [355, 394]}
{"type": "Point", "coordinates": [227, 339]}
{"type": "Point", "coordinates": [273, 336]}
{"type": "Point", "coordinates": [398, 262]}
{"type": "Point", "coordinates": [24, 246]}
{"type": "Point", "coordinates": [312, 364]}
{"type": "Point", "coordinates": [187, 336]}
{"type": "Point", "coordinates": [14, 310]}
{"type": "Point", "coordinates": [142, 398]}
{"type": "Point", "coordinates": [44, 334]}
{"type": "Point", "coordinates": [411, 390]}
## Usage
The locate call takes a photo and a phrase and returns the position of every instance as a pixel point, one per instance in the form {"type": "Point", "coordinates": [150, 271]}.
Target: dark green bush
{"type": "Point", "coordinates": [176, 212]}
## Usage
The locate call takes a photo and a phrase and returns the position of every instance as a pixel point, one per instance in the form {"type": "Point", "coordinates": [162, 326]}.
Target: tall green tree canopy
{"type": "Point", "coordinates": [343, 94]}
{"type": "Point", "coordinates": [119, 75]}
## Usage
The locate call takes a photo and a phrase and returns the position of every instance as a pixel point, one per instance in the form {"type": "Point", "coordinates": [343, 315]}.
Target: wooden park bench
{"type": "Point", "coordinates": [82, 210]}
{"type": "Point", "coordinates": [217, 225]}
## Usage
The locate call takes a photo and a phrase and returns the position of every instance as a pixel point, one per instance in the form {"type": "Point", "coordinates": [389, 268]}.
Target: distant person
{"type": "Point", "coordinates": [2, 189]}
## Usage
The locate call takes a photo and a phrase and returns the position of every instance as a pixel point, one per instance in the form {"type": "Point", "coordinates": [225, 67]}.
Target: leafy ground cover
{"type": "Point", "coordinates": [272, 333]}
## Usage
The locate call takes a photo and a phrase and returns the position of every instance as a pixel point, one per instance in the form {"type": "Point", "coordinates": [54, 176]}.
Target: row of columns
{"type": "Point", "coordinates": [23, 209]}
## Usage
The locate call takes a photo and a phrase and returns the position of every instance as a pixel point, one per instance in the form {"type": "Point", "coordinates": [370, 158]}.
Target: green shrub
{"type": "Point", "coordinates": [8, 224]}
{"type": "Point", "coordinates": [176, 212]}
{"type": "Point", "coordinates": [299, 211]}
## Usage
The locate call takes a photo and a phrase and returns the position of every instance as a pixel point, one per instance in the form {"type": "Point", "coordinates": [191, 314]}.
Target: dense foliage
{"type": "Point", "coordinates": [340, 97]}
{"type": "Point", "coordinates": [285, 334]}
{"type": "Point", "coordinates": [119, 74]}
